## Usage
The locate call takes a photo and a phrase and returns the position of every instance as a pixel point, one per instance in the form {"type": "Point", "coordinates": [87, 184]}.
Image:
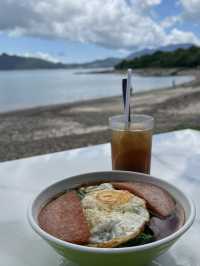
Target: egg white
{"type": "Point", "coordinates": [114, 216]}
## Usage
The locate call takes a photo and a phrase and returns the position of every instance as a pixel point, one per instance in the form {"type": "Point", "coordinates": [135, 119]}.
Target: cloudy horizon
{"type": "Point", "coordinates": [82, 30]}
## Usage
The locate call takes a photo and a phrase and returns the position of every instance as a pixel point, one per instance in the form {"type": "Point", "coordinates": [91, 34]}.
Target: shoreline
{"type": "Point", "coordinates": [53, 128]}
{"type": "Point", "coordinates": [151, 72]}
{"type": "Point", "coordinates": [51, 107]}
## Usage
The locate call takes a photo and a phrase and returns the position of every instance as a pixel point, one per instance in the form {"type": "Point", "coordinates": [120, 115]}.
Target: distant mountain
{"type": "Point", "coordinates": [13, 62]}
{"type": "Point", "coordinates": [167, 48]}
{"type": "Point", "coordinates": [101, 63]}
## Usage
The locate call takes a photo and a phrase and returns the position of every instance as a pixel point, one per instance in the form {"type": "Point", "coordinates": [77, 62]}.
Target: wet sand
{"type": "Point", "coordinates": [49, 129]}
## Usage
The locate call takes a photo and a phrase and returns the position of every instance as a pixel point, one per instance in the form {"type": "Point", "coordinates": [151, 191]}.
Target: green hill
{"type": "Point", "coordinates": [160, 59]}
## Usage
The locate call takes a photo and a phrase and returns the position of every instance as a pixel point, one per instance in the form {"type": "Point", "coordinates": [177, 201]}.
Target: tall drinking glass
{"type": "Point", "coordinates": [131, 146]}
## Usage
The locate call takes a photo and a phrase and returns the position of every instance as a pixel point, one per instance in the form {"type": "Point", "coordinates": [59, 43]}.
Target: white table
{"type": "Point", "coordinates": [176, 158]}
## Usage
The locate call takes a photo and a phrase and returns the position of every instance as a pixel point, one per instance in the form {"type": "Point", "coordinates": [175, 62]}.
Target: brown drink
{"type": "Point", "coordinates": [131, 147]}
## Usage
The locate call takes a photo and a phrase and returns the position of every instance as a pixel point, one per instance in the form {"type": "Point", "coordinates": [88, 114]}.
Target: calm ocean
{"type": "Point", "coordinates": [24, 89]}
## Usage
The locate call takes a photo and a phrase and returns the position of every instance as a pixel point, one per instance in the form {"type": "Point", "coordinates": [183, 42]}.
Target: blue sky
{"type": "Point", "coordinates": [65, 31]}
{"type": "Point", "coordinates": [63, 50]}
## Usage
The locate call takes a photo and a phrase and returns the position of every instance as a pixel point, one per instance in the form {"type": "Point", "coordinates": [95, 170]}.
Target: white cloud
{"type": "Point", "coordinates": [191, 6]}
{"type": "Point", "coordinates": [191, 9]}
{"type": "Point", "coordinates": [118, 24]}
{"type": "Point", "coordinates": [146, 4]}
{"type": "Point", "coordinates": [40, 55]}
{"type": "Point", "coordinates": [170, 21]}
{"type": "Point", "coordinates": [152, 2]}
{"type": "Point", "coordinates": [178, 36]}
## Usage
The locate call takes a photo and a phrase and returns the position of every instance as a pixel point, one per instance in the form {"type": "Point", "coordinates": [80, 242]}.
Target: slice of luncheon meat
{"type": "Point", "coordinates": [158, 200]}
{"type": "Point", "coordinates": [64, 219]}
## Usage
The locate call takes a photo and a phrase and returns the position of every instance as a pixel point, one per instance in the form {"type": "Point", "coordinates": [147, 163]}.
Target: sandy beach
{"type": "Point", "coordinates": [50, 129]}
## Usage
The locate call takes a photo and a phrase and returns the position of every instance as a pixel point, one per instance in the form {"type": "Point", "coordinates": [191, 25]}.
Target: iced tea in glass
{"type": "Point", "coordinates": [131, 146]}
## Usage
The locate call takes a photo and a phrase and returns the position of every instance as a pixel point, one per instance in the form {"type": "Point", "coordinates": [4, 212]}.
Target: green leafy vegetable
{"type": "Point", "coordinates": [144, 238]}
{"type": "Point", "coordinates": [81, 194]}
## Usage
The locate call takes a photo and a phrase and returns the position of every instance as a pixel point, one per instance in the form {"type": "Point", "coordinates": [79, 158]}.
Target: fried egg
{"type": "Point", "coordinates": [114, 216]}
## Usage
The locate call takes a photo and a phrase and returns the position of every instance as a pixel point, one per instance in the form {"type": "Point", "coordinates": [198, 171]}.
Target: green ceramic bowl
{"type": "Point", "coordinates": [82, 255]}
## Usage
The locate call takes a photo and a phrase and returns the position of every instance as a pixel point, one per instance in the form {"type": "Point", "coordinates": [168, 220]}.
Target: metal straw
{"type": "Point", "coordinates": [127, 103]}
{"type": "Point", "coordinates": [124, 88]}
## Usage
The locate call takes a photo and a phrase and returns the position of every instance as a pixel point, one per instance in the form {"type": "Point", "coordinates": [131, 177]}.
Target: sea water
{"type": "Point", "coordinates": [32, 88]}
